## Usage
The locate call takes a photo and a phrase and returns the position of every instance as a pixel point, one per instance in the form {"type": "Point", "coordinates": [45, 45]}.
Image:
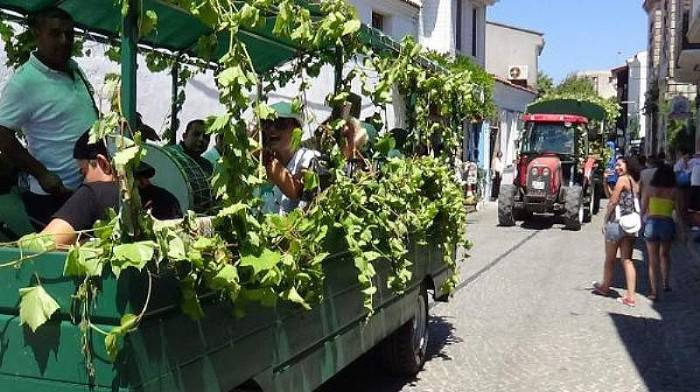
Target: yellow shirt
{"type": "Point", "coordinates": [661, 207]}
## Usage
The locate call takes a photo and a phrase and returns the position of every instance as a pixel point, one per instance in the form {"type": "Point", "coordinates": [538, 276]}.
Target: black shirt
{"type": "Point", "coordinates": [88, 204]}
{"type": "Point", "coordinates": [163, 204]}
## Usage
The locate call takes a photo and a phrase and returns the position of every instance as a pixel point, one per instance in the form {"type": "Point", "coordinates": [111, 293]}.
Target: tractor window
{"type": "Point", "coordinates": [552, 138]}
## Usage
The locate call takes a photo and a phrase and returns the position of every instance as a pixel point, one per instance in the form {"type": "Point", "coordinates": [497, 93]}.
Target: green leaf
{"type": "Point", "coordinates": [311, 181]}
{"type": "Point", "coordinates": [264, 112]}
{"type": "Point", "coordinates": [126, 325]}
{"type": "Point", "coordinates": [230, 75]}
{"type": "Point", "coordinates": [148, 23]}
{"type": "Point", "coordinates": [36, 243]}
{"type": "Point", "coordinates": [190, 301]}
{"type": "Point", "coordinates": [219, 123]}
{"type": "Point", "coordinates": [123, 157]}
{"type": "Point", "coordinates": [265, 261]}
{"type": "Point", "coordinates": [83, 261]}
{"type": "Point", "coordinates": [351, 26]}
{"type": "Point", "coordinates": [176, 249]}
{"type": "Point", "coordinates": [225, 278]}
{"type": "Point", "coordinates": [135, 255]}
{"type": "Point", "coordinates": [292, 295]}
{"type": "Point", "coordinates": [112, 346]}
{"type": "Point", "coordinates": [295, 142]}
{"type": "Point", "coordinates": [35, 307]}
{"type": "Point", "coordinates": [232, 210]}
{"type": "Point", "coordinates": [385, 144]}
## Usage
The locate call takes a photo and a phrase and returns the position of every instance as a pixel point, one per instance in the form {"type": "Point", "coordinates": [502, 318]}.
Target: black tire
{"type": "Point", "coordinates": [574, 209]}
{"type": "Point", "coordinates": [599, 193]}
{"type": "Point", "coordinates": [404, 352]}
{"type": "Point", "coordinates": [506, 199]}
{"type": "Point", "coordinates": [589, 206]}
{"type": "Point", "coordinates": [521, 214]}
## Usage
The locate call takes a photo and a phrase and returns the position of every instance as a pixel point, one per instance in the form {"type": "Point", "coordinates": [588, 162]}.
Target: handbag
{"type": "Point", "coordinates": [630, 223]}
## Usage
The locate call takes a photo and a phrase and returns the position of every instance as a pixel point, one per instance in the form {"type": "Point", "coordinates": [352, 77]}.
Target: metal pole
{"type": "Point", "coordinates": [174, 107]}
{"type": "Point", "coordinates": [129, 37]}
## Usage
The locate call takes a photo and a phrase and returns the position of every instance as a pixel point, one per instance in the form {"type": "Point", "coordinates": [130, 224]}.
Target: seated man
{"type": "Point", "coordinates": [161, 203]}
{"type": "Point", "coordinates": [91, 201]}
{"type": "Point", "coordinates": [194, 143]}
{"type": "Point", "coordinates": [284, 163]}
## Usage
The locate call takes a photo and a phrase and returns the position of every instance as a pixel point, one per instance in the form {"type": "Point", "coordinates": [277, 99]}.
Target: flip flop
{"type": "Point", "coordinates": [598, 290]}
{"type": "Point", "coordinates": [626, 301]}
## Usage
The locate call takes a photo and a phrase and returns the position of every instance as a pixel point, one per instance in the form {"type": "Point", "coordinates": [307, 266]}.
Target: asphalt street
{"type": "Point", "coordinates": [524, 319]}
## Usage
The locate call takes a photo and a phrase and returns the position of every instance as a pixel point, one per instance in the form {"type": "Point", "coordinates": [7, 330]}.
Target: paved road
{"type": "Point", "coordinates": [524, 320]}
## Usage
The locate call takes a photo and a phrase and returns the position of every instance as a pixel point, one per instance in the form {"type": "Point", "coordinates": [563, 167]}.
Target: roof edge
{"type": "Point", "coordinates": [507, 26]}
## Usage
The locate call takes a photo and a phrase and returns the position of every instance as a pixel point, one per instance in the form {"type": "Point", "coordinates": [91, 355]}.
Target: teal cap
{"type": "Point", "coordinates": [284, 110]}
{"type": "Point", "coordinates": [372, 133]}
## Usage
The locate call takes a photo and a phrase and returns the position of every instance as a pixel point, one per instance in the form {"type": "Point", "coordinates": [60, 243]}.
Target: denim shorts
{"type": "Point", "coordinates": [659, 229]}
{"type": "Point", "coordinates": [614, 233]}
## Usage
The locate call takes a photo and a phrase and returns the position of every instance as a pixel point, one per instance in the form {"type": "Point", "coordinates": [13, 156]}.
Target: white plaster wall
{"type": "Point", "coordinates": [400, 19]}
{"type": "Point", "coordinates": [511, 103]}
{"type": "Point", "coordinates": [436, 28]}
{"type": "Point", "coordinates": [506, 47]}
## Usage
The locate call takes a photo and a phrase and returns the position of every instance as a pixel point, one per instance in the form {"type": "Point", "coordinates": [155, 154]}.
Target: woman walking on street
{"type": "Point", "coordinates": [658, 205]}
{"type": "Point", "coordinates": [623, 202]}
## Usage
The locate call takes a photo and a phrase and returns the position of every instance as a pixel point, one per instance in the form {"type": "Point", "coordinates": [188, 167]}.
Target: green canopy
{"type": "Point", "coordinates": [178, 30]}
{"type": "Point", "coordinates": [586, 109]}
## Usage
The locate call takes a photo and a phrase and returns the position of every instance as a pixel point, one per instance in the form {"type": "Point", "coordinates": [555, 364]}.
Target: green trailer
{"type": "Point", "coordinates": [284, 348]}
{"type": "Point", "coordinates": [279, 348]}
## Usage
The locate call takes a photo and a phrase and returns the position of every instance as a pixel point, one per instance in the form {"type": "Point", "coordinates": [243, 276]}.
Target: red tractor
{"type": "Point", "coordinates": [555, 172]}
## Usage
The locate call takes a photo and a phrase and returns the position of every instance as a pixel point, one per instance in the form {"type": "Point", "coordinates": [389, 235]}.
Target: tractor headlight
{"type": "Point", "coordinates": [534, 171]}
{"type": "Point", "coordinates": [546, 172]}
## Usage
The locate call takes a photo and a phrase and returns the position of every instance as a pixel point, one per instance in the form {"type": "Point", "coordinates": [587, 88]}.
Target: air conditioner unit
{"type": "Point", "coordinates": [517, 72]}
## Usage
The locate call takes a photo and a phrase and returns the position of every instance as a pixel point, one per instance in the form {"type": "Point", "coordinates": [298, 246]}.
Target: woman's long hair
{"type": "Point", "coordinates": [633, 167]}
{"type": "Point", "coordinates": [664, 177]}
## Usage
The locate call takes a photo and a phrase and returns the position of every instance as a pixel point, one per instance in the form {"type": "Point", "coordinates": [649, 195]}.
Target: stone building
{"type": "Point", "coordinates": [602, 82]}
{"type": "Point", "coordinates": [670, 88]}
{"type": "Point", "coordinates": [630, 81]}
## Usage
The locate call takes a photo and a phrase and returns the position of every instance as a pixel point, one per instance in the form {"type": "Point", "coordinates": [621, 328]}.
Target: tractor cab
{"type": "Point", "coordinates": [551, 148]}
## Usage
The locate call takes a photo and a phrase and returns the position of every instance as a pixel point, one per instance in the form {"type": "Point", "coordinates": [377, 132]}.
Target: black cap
{"type": "Point", "coordinates": [85, 150]}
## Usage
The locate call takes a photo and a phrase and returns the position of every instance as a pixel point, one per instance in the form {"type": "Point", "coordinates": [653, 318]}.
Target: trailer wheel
{"type": "Point", "coordinates": [573, 204]}
{"type": "Point", "coordinates": [404, 352]}
{"type": "Point", "coordinates": [506, 199]}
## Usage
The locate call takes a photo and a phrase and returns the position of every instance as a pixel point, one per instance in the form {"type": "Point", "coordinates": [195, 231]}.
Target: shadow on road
{"type": "Point", "coordinates": [666, 350]}
{"type": "Point", "coordinates": [539, 222]}
{"type": "Point", "coordinates": [367, 374]}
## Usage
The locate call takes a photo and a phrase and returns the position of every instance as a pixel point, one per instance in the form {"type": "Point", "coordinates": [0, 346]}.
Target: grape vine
{"type": "Point", "coordinates": [247, 257]}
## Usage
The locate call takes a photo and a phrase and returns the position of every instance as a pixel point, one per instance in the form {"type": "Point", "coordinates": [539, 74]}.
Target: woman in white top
{"type": "Point", "coordinates": [284, 162]}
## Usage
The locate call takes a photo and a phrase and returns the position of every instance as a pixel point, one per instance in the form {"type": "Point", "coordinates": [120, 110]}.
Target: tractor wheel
{"type": "Point", "coordinates": [573, 205]}
{"type": "Point", "coordinates": [506, 199]}
{"type": "Point", "coordinates": [599, 192]}
{"type": "Point", "coordinates": [589, 208]}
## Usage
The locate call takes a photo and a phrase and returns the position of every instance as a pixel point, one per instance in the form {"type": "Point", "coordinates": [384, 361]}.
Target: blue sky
{"type": "Point", "coordinates": [579, 34]}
